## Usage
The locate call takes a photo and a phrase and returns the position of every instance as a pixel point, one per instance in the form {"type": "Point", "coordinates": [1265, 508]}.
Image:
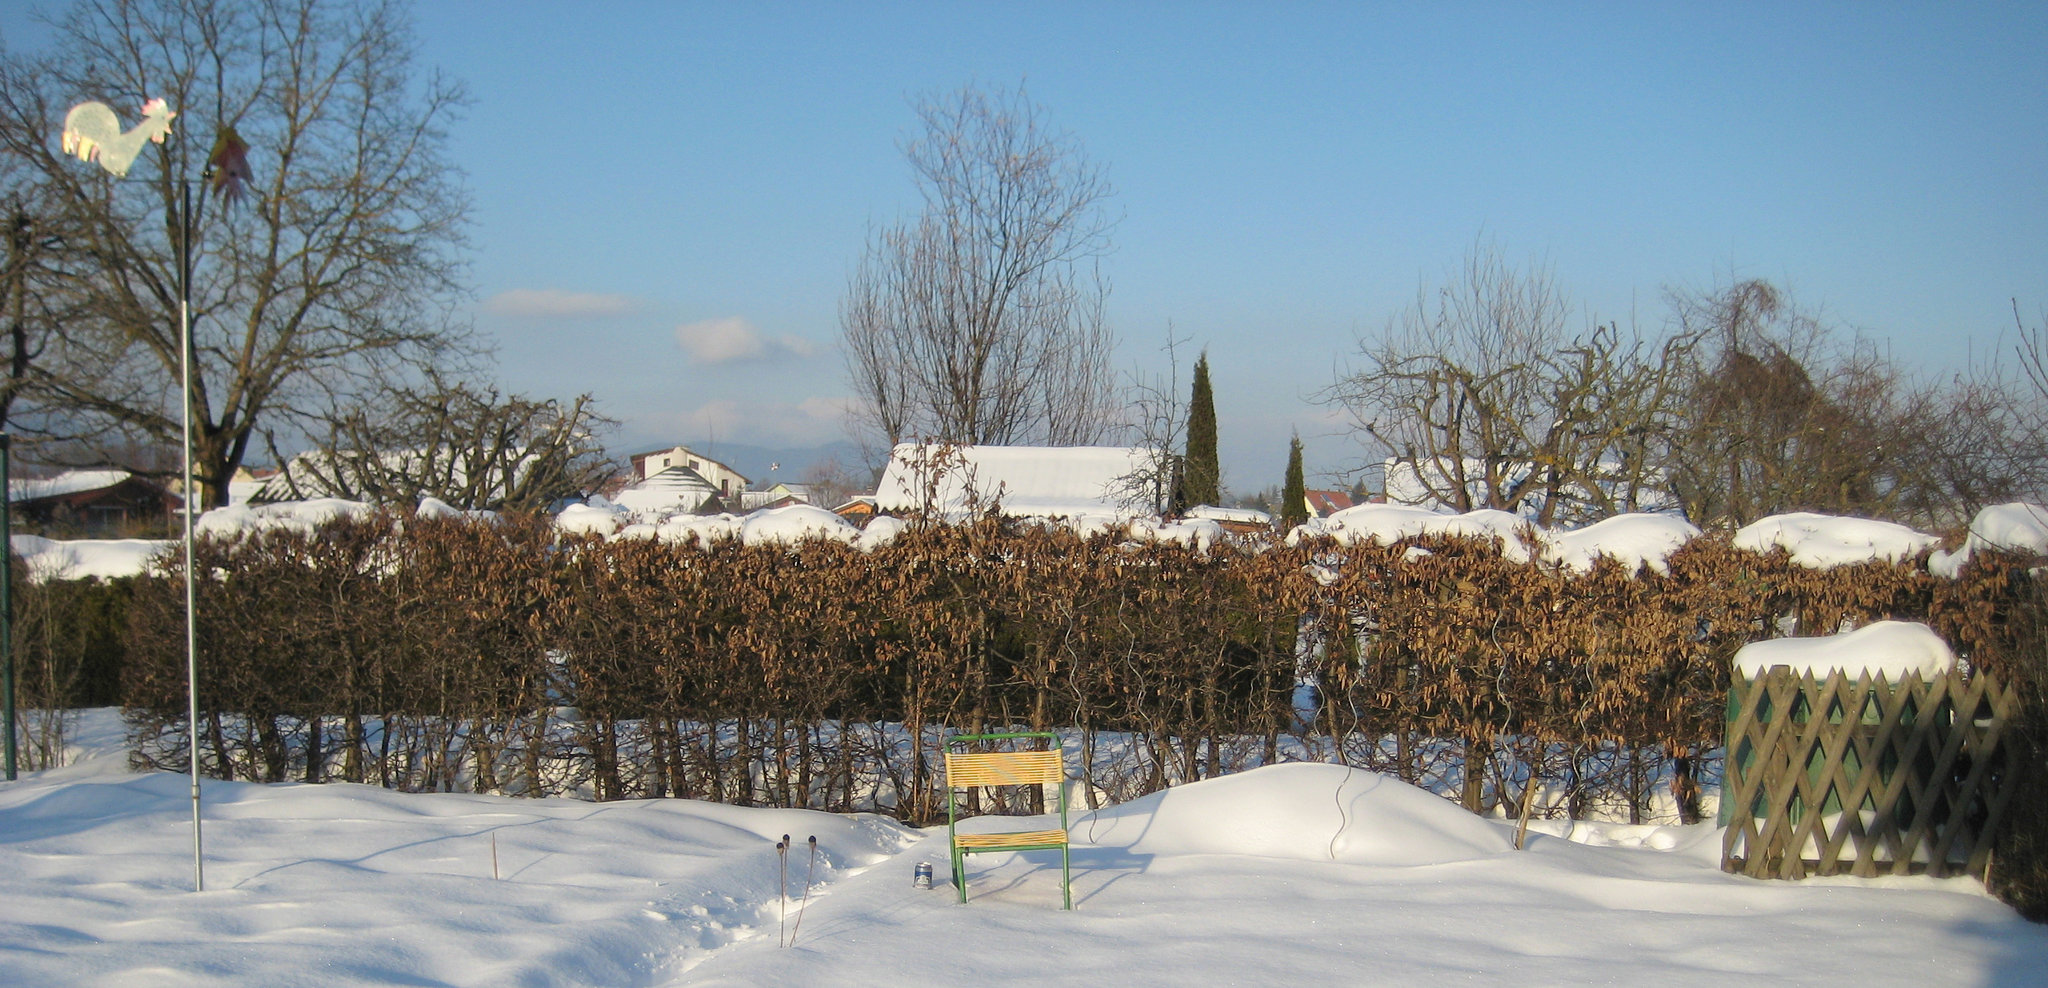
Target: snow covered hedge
{"type": "Point", "coordinates": [437, 652]}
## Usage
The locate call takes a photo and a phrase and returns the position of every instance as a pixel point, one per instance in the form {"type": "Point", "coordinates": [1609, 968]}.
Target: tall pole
{"type": "Point", "coordinates": [93, 133]}
{"type": "Point", "coordinates": [191, 584]}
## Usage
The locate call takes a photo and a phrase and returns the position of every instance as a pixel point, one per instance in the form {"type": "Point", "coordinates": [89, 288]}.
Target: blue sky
{"type": "Point", "coordinates": [669, 196]}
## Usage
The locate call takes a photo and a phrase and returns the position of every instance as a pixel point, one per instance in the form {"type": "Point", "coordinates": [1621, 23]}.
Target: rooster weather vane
{"type": "Point", "coordinates": [92, 132]}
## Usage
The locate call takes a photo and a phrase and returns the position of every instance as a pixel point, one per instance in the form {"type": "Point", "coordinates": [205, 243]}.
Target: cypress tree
{"type": "Point", "coordinates": [1294, 495]}
{"type": "Point", "coordinates": [1202, 474]}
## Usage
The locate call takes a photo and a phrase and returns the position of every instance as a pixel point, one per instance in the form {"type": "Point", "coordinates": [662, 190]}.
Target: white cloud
{"type": "Point", "coordinates": [723, 341]}
{"type": "Point", "coordinates": [720, 341]}
{"type": "Point", "coordinates": [550, 303]}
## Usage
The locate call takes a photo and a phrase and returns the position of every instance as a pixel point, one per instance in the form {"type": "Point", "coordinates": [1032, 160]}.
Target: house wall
{"type": "Point", "coordinates": [115, 511]}
{"type": "Point", "coordinates": [728, 481]}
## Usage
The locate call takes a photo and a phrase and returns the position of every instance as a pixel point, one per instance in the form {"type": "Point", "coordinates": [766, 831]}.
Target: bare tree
{"type": "Point", "coordinates": [981, 319]}
{"type": "Point", "coordinates": [1786, 416]}
{"type": "Point", "coordinates": [39, 273]}
{"type": "Point", "coordinates": [35, 297]}
{"type": "Point", "coordinates": [463, 444]}
{"type": "Point", "coordinates": [832, 483]}
{"type": "Point", "coordinates": [334, 272]}
{"type": "Point", "coordinates": [1993, 427]}
{"type": "Point", "coordinates": [1480, 397]}
{"type": "Point", "coordinates": [1157, 419]}
{"type": "Point", "coordinates": [1986, 443]}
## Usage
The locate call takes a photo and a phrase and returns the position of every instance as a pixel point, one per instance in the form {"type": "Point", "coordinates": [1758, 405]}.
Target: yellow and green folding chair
{"type": "Point", "coordinates": [970, 769]}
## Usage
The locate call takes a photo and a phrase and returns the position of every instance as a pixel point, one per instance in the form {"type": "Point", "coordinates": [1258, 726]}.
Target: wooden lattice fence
{"type": "Point", "coordinates": [1858, 775]}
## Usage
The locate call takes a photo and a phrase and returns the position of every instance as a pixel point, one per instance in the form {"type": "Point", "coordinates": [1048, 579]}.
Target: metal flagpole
{"type": "Point", "coordinates": [191, 584]}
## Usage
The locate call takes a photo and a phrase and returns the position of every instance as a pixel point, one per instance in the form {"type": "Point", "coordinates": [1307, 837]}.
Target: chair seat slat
{"type": "Point", "coordinates": [1022, 838]}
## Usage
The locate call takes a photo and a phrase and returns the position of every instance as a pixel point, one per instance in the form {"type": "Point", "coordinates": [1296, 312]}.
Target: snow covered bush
{"type": "Point", "coordinates": [1558, 678]}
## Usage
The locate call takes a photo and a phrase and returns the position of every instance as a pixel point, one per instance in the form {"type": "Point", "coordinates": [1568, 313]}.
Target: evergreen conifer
{"type": "Point", "coordinates": [1201, 477]}
{"type": "Point", "coordinates": [1294, 496]}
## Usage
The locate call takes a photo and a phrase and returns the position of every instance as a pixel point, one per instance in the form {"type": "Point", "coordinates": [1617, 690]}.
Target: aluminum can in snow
{"type": "Point", "coordinates": [922, 877]}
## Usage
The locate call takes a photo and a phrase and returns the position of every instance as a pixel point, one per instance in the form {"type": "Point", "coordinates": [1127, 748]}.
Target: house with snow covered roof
{"type": "Point", "coordinates": [1025, 481]}
{"type": "Point", "coordinates": [779, 496]}
{"type": "Point", "coordinates": [90, 501]}
{"type": "Point", "coordinates": [722, 478]}
{"type": "Point", "coordinates": [670, 491]}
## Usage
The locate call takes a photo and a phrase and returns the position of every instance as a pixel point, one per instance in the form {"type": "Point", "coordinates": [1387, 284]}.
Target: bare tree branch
{"type": "Point", "coordinates": [981, 320]}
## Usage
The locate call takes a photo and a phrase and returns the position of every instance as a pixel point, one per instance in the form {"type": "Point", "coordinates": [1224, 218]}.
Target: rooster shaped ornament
{"type": "Point", "coordinates": [93, 133]}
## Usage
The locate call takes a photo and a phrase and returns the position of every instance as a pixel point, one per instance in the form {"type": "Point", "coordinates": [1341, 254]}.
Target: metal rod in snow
{"type": "Point", "coordinates": [191, 585]}
{"type": "Point", "coordinates": [809, 870]}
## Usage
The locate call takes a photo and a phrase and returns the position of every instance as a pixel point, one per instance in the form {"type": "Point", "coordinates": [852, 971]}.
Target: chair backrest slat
{"type": "Point", "coordinates": [1004, 768]}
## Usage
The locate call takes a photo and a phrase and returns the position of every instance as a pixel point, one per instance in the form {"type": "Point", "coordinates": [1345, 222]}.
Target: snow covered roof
{"type": "Point", "coordinates": [674, 490]}
{"type": "Point", "coordinates": [68, 482]}
{"type": "Point", "coordinates": [1028, 481]}
{"type": "Point", "coordinates": [684, 456]}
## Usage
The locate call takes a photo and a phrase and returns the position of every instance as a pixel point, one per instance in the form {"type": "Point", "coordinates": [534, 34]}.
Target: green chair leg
{"type": "Point", "coordinates": [1066, 878]}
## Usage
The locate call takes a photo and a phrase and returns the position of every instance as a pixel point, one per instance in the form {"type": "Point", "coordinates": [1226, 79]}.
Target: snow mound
{"type": "Point", "coordinates": [588, 519]}
{"type": "Point", "coordinates": [1390, 523]}
{"type": "Point", "coordinates": [2018, 528]}
{"type": "Point", "coordinates": [1197, 533]}
{"type": "Point", "coordinates": [434, 507]}
{"type": "Point", "coordinates": [1089, 524]}
{"type": "Point", "coordinates": [1886, 648]}
{"type": "Point", "coordinates": [301, 516]}
{"type": "Point", "coordinates": [1240, 516]}
{"type": "Point", "coordinates": [703, 530]}
{"type": "Point", "coordinates": [1302, 810]}
{"type": "Point", "coordinates": [1826, 541]}
{"type": "Point", "coordinates": [83, 559]}
{"type": "Point", "coordinates": [796, 523]}
{"type": "Point", "coordinates": [1635, 540]}
{"type": "Point", "coordinates": [881, 530]}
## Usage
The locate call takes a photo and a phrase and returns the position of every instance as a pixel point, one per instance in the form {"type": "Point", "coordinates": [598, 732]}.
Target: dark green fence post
{"type": "Point", "coordinates": [7, 597]}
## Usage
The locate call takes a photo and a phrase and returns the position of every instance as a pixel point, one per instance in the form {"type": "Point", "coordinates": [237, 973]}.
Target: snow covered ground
{"type": "Point", "coordinates": [1301, 874]}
